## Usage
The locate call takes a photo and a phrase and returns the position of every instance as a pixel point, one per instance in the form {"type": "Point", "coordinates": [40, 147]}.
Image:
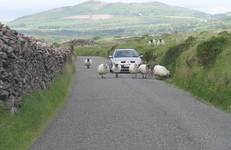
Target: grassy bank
{"type": "Point", "coordinates": [204, 69]}
{"type": "Point", "coordinates": [101, 48]}
{"type": "Point", "coordinates": [18, 132]}
{"type": "Point", "coordinates": [91, 51]}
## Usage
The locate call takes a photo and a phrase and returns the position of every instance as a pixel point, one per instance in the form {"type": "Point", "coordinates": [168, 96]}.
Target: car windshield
{"type": "Point", "coordinates": [126, 53]}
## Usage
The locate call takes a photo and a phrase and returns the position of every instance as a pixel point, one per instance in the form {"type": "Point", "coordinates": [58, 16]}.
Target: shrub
{"type": "Point", "coordinates": [149, 55]}
{"type": "Point", "coordinates": [96, 38]}
{"type": "Point", "coordinates": [55, 44]}
{"type": "Point", "coordinates": [111, 50]}
{"type": "Point", "coordinates": [174, 52]}
{"type": "Point", "coordinates": [208, 51]}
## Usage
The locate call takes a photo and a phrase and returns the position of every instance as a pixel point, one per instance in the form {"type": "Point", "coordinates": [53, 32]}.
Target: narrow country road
{"type": "Point", "coordinates": [133, 114]}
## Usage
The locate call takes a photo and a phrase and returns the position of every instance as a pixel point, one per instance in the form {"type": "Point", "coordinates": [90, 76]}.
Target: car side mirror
{"type": "Point", "coordinates": [110, 57]}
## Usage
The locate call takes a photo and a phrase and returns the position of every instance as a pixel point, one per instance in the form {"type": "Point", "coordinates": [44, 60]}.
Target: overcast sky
{"type": "Point", "coordinates": [11, 9]}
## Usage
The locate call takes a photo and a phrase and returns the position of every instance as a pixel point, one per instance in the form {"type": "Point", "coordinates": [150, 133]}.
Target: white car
{"type": "Point", "coordinates": [125, 57]}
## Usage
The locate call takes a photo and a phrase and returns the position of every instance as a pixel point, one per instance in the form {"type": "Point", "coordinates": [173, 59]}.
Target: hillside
{"type": "Point", "coordinates": [122, 9]}
{"type": "Point", "coordinates": [94, 18]}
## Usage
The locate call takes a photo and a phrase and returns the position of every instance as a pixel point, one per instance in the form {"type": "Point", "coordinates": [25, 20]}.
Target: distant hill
{"type": "Point", "coordinates": [228, 13]}
{"type": "Point", "coordinates": [225, 18]}
{"type": "Point", "coordinates": [95, 18]}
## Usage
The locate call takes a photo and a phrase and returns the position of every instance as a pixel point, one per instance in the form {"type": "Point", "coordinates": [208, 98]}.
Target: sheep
{"type": "Point", "coordinates": [116, 68]}
{"type": "Point", "coordinates": [162, 42]}
{"type": "Point", "coordinates": [102, 70]}
{"type": "Point", "coordinates": [88, 63]}
{"type": "Point", "coordinates": [158, 42]}
{"type": "Point", "coordinates": [144, 70]}
{"type": "Point", "coordinates": [161, 71]}
{"type": "Point", "coordinates": [154, 42]}
{"type": "Point", "coordinates": [134, 69]}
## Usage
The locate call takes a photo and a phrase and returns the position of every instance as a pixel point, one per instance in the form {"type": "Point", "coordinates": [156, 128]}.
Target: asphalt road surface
{"type": "Point", "coordinates": [133, 114]}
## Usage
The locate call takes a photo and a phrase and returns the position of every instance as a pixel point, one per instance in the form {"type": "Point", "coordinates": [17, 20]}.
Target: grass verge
{"type": "Point", "coordinates": [91, 51]}
{"type": "Point", "coordinates": [18, 132]}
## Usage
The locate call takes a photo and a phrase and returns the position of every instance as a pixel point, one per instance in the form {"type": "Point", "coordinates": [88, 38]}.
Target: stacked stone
{"type": "Point", "coordinates": [26, 64]}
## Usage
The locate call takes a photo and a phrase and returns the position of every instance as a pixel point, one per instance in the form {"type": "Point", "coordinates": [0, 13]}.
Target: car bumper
{"type": "Point", "coordinates": [124, 68]}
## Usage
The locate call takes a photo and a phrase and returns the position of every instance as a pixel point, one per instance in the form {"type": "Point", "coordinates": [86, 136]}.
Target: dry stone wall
{"type": "Point", "coordinates": [26, 64]}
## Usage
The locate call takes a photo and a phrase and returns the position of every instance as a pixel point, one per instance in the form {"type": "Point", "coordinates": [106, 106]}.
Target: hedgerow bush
{"type": "Point", "coordinates": [208, 51]}
{"type": "Point", "coordinates": [174, 52]}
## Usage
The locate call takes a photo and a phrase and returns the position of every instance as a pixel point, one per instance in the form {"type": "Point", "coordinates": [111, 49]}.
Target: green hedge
{"type": "Point", "coordinates": [209, 50]}
{"type": "Point", "coordinates": [174, 52]}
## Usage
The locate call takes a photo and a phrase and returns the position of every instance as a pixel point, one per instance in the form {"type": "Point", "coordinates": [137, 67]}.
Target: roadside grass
{"type": "Point", "coordinates": [101, 48]}
{"type": "Point", "coordinates": [213, 83]}
{"type": "Point", "coordinates": [18, 132]}
{"type": "Point", "coordinates": [91, 51]}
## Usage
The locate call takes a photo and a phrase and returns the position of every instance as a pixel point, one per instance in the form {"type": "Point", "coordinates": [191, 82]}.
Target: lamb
{"type": "Point", "coordinates": [144, 70]}
{"type": "Point", "coordinates": [88, 63]}
{"type": "Point", "coordinates": [102, 70]}
{"type": "Point", "coordinates": [161, 71]}
{"type": "Point", "coordinates": [134, 69]}
{"type": "Point", "coordinates": [116, 68]}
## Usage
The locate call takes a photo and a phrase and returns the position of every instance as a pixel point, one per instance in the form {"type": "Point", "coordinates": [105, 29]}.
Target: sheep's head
{"type": "Point", "coordinates": [105, 66]}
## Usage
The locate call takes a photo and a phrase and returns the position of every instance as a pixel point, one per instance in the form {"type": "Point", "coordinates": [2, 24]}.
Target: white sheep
{"type": "Point", "coordinates": [158, 43]}
{"type": "Point", "coordinates": [102, 70]}
{"type": "Point", "coordinates": [134, 69]}
{"type": "Point", "coordinates": [161, 71]}
{"type": "Point", "coordinates": [154, 42]}
{"type": "Point", "coordinates": [116, 69]}
{"type": "Point", "coordinates": [144, 70]}
{"type": "Point", "coordinates": [162, 42]}
{"type": "Point", "coordinates": [88, 63]}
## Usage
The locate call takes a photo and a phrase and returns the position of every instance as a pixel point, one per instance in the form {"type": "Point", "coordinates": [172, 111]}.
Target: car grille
{"type": "Point", "coordinates": [124, 69]}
